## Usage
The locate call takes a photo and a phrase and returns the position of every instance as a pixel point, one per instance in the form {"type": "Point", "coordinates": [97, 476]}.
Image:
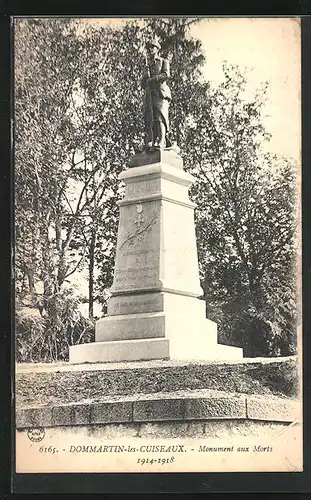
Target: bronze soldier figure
{"type": "Point", "coordinates": [157, 98]}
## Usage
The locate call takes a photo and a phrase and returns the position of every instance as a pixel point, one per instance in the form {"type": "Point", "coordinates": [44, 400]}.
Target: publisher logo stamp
{"type": "Point", "coordinates": [36, 434]}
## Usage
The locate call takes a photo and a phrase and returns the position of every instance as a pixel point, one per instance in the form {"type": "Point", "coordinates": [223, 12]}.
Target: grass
{"type": "Point", "coordinates": [70, 384]}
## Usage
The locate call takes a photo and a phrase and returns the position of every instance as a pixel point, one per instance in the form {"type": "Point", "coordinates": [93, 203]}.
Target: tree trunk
{"type": "Point", "coordinates": [91, 274]}
{"type": "Point", "coordinates": [47, 271]}
{"type": "Point", "coordinates": [31, 281]}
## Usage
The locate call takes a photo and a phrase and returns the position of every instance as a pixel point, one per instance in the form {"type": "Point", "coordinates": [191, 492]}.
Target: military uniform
{"type": "Point", "coordinates": [157, 100]}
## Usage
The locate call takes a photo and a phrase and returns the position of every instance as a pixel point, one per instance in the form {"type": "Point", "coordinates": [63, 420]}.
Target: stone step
{"type": "Point", "coordinates": [155, 325]}
{"type": "Point", "coordinates": [154, 348]}
{"type": "Point", "coordinates": [120, 350]}
{"type": "Point", "coordinates": [175, 406]}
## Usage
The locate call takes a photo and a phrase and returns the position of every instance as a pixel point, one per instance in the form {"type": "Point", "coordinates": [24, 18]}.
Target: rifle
{"type": "Point", "coordinates": [148, 97]}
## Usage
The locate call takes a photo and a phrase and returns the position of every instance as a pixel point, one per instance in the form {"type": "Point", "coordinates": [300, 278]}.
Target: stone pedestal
{"type": "Point", "coordinates": [154, 311]}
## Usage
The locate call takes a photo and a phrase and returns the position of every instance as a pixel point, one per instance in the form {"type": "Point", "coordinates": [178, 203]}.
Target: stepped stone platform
{"type": "Point", "coordinates": [165, 395]}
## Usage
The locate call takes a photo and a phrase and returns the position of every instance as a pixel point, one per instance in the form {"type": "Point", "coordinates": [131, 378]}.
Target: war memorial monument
{"type": "Point", "coordinates": [155, 311]}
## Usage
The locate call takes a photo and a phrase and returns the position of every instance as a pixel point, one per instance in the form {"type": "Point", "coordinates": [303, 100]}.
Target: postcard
{"type": "Point", "coordinates": [157, 259]}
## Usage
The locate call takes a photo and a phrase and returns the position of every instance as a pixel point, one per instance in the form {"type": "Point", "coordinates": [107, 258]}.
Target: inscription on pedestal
{"type": "Point", "coordinates": [138, 247]}
{"type": "Point", "coordinates": [134, 304]}
{"type": "Point", "coordinates": [130, 274]}
{"type": "Point", "coordinates": [142, 187]}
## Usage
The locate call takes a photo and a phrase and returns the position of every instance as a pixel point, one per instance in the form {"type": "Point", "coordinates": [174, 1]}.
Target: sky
{"type": "Point", "coordinates": [271, 49]}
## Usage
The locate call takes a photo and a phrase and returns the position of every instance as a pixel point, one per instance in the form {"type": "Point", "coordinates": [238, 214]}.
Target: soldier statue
{"type": "Point", "coordinates": [157, 98]}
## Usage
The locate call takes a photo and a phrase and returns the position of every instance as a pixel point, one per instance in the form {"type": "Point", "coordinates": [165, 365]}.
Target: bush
{"type": "Point", "coordinates": [47, 338]}
{"type": "Point", "coordinates": [257, 335]}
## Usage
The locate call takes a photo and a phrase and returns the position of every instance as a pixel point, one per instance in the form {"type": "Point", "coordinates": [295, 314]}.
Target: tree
{"type": "Point", "coordinates": [245, 219]}
{"type": "Point", "coordinates": [45, 74]}
{"type": "Point", "coordinates": [43, 78]}
{"type": "Point", "coordinates": [68, 135]}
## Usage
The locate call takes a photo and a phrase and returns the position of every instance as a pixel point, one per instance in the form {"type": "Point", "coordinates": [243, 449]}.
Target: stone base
{"type": "Point", "coordinates": [121, 350]}
{"type": "Point", "coordinates": [169, 156]}
{"type": "Point", "coordinates": [177, 330]}
{"type": "Point", "coordinates": [176, 327]}
{"type": "Point", "coordinates": [156, 315]}
{"type": "Point", "coordinates": [149, 349]}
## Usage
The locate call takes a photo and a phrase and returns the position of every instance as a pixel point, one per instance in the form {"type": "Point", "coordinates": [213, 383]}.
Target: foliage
{"type": "Point", "coordinates": [47, 338]}
{"type": "Point", "coordinates": [246, 220]}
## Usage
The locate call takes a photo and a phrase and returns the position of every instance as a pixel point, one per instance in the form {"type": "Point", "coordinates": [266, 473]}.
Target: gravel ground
{"type": "Point", "coordinates": [129, 365]}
